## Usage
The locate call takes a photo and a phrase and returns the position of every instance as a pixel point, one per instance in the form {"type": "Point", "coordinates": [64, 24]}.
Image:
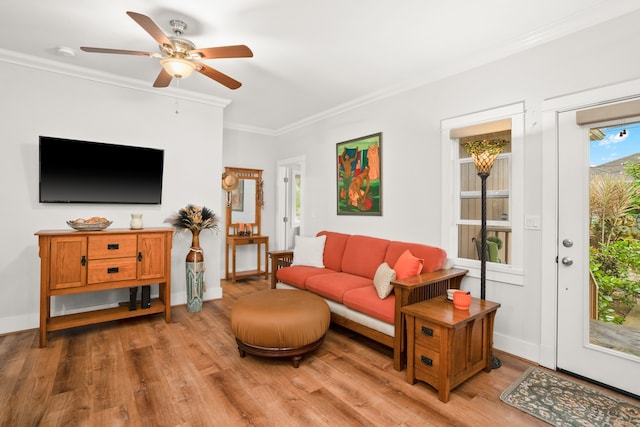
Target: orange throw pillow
{"type": "Point", "coordinates": [407, 265]}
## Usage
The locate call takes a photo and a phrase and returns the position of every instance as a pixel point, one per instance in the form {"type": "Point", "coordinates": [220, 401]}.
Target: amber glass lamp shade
{"type": "Point", "coordinates": [484, 153]}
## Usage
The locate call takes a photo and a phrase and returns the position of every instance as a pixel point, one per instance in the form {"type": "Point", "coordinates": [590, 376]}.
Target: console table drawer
{"type": "Point", "coordinates": [112, 246]}
{"type": "Point", "coordinates": [427, 365]}
{"type": "Point", "coordinates": [428, 334]}
{"type": "Point", "coordinates": [111, 270]}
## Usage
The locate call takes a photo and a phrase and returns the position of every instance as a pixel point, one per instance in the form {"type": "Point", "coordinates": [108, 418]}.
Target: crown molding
{"type": "Point", "coordinates": [251, 129]}
{"type": "Point", "coordinates": [29, 61]}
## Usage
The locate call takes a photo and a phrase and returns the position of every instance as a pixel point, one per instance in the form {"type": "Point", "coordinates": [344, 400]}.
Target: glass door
{"type": "Point", "coordinates": [599, 252]}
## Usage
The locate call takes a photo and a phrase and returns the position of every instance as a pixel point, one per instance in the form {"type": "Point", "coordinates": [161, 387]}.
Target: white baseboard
{"type": "Point", "coordinates": [523, 349]}
{"type": "Point", "coordinates": [19, 323]}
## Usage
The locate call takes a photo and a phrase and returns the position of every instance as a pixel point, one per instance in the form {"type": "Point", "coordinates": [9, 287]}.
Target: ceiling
{"type": "Point", "coordinates": [311, 57]}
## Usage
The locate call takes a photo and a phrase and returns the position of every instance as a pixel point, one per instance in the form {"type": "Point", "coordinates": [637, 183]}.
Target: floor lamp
{"type": "Point", "coordinates": [484, 153]}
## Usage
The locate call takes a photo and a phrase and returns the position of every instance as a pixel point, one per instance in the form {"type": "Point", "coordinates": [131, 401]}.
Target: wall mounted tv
{"type": "Point", "coordinates": [74, 171]}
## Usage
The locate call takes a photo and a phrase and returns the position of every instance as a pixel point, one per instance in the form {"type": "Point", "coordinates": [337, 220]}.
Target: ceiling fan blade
{"type": "Point", "coordinates": [163, 79]}
{"type": "Point", "coordinates": [218, 76]}
{"type": "Point", "coordinates": [238, 51]}
{"type": "Point", "coordinates": [117, 51]}
{"type": "Point", "coordinates": [150, 27]}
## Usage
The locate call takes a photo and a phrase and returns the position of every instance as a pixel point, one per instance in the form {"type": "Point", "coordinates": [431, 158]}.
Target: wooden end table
{"type": "Point", "coordinates": [232, 243]}
{"type": "Point", "coordinates": [447, 346]}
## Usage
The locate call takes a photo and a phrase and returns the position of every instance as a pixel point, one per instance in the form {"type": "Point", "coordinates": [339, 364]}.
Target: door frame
{"type": "Point", "coordinates": [550, 180]}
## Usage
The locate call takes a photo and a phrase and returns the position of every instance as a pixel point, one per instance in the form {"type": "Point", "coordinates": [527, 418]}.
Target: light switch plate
{"type": "Point", "coordinates": [532, 222]}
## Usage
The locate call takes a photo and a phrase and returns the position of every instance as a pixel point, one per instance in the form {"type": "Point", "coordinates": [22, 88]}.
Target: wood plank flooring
{"type": "Point", "coordinates": [145, 372]}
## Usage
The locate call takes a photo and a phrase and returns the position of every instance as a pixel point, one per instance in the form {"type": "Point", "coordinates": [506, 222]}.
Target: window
{"type": "Point", "coordinates": [461, 196]}
{"type": "Point", "coordinates": [498, 203]}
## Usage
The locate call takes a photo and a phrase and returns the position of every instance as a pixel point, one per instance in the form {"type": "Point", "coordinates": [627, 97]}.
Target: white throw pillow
{"type": "Point", "coordinates": [309, 251]}
{"type": "Point", "coordinates": [382, 280]}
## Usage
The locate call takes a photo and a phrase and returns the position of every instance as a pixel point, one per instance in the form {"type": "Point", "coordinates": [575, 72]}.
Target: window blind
{"type": "Point", "coordinates": [608, 112]}
{"type": "Point", "coordinates": [481, 129]}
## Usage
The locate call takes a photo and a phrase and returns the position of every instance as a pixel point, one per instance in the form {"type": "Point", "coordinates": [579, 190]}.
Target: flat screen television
{"type": "Point", "coordinates": [73, 171]}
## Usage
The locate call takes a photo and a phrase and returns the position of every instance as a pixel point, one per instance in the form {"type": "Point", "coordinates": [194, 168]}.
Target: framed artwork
{"type": "Point", "coordinates": [359, 182]}
{"type": "Point", "coordinates": [237, 197]}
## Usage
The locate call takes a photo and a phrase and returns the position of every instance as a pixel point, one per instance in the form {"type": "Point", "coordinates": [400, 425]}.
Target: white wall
{"type": "Point", "coordinates": [411, 154]}
{"type": "Point", "coordinates": [36, 102]}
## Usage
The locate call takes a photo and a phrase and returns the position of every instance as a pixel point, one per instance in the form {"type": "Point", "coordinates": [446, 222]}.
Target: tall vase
{"type": "Point", "coordinates": [195, 274]}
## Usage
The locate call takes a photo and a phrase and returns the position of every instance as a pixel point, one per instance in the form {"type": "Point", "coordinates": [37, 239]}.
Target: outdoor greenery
{"type": "Point", "coordinates": [615, 245]}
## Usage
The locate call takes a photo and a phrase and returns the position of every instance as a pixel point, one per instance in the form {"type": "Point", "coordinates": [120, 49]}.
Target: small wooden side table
{"type": "Point", "coordinates": [447, 346]}
{"type": "Point", "coordinates": [232, 243]}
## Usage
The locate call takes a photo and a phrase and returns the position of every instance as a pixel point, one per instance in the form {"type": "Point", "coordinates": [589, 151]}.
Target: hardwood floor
{"type": "Point", "coordinates": [145, 372]}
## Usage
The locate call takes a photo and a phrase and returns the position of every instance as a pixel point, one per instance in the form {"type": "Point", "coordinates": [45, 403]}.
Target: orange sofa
{"type": "Point", "coordinates": [346, 282]}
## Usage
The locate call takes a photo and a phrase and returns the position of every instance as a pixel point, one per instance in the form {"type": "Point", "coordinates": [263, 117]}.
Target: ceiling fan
{"type": "Point", "coordinates": [179, 56]}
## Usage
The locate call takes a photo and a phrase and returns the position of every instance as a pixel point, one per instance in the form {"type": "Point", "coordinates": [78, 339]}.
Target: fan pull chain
{"type": "Point", "coordinates": [177, 100]}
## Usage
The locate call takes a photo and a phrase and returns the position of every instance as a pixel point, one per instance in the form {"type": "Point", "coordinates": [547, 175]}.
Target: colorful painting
{"type": "Point", "coordinates": [359, 179]}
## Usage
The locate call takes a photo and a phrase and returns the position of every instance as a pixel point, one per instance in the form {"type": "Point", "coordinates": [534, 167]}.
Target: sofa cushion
{"type": "Point", "coordinates": [297, 275]}
{"type": "Point", "coordinates": [434, 258]}
{"type": "Point", "coordinates": [363, 255]}
{"type": "Point", "coordinates": [334, 285]}
{"type": "Point", "coordinates": [366, 301]}
{"type": "Point", "coordinates": [334, 249]}
{"type": "Point", "coordinates": [309, 251]}
{"type": "Point", "coordinates": [382, 280]}
{"type": "Point", "coordinates": [408, 265]}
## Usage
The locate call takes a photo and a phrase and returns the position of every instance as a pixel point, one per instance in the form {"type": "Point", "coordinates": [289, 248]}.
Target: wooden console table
{"type": "Point", "coordinates": [74, 262]}
{"type": "Point", "coordinates": [446, 346]}
{"type": "Point", "coordinates": [232, 243]}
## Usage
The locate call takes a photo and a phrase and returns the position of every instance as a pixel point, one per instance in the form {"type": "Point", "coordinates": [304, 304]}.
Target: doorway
{"type": "Point", "coordinates": [596, 239]}
{"type": "Point", "coordinates": [290, 195]}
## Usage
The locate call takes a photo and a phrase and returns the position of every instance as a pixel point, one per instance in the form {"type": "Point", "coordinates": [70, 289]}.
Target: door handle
{"type": "Point", "coordinates": [567, 261]}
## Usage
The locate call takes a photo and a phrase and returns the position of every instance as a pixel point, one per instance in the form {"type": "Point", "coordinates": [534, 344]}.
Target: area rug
{"type": "Point", "coordinates": [562, 402]}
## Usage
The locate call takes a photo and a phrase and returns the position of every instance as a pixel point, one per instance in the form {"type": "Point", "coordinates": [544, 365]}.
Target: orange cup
{"type": "Point", "coordinates": [461, 300]}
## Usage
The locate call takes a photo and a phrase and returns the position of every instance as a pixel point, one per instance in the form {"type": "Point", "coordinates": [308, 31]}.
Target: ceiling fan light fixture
{"type": "Point", "coordinates": [178, 56]}
{"type": "Point", "coordinates": [178, 67]}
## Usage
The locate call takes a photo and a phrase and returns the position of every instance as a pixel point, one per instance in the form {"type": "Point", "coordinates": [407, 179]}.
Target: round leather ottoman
{"type": "Point", "coordinates": [280, 323]}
